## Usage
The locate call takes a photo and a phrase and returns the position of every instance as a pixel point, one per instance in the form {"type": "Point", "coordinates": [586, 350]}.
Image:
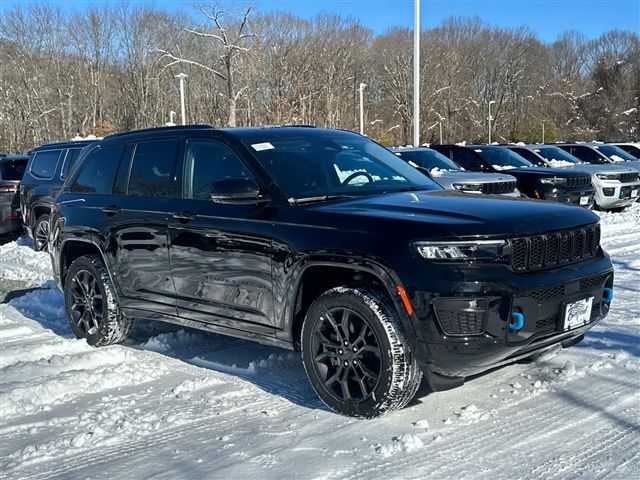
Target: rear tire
{"type": "Point", "coordinates": [91, 305]}
{"type": "Point", "coordinates": [355, 353]}
{"type": "Point", "coordinates": [41, 234]}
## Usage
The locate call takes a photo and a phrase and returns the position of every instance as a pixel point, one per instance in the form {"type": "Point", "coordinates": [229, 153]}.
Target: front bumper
{"type": "Point", "coordinates": [583, 196]}
{"type": "Point", "coordinates": [475, 336]}
{"type": "Point", "coordinates": [613, 194]}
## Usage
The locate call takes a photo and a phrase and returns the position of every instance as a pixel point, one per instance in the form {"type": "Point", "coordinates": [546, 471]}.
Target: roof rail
{"type": "Point", "coordinates": [161, 129]}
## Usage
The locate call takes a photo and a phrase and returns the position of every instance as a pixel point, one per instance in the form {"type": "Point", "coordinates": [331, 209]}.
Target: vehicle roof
{"type": "Point", "coordinates": [14, 156]}
{"type": "Point", "coordinates": [65, 144]}
{"type": "Point", "coordinates": [234, 132]}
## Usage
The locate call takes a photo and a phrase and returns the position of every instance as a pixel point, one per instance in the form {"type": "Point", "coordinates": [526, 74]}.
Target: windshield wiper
{"type": "Point", "coordinates": [321, 198]}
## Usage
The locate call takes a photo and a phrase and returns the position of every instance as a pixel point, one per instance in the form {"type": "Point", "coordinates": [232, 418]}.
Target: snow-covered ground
{"type": "Point", "coordinates": [185, 404]}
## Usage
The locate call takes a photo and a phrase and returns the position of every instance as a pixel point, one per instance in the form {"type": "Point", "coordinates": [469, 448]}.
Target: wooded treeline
{"type": "Point", "coordinates": [111, 69]}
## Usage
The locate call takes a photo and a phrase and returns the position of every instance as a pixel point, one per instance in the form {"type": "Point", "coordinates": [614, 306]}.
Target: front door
{"type": "Point", "coordinates": [220, 254]}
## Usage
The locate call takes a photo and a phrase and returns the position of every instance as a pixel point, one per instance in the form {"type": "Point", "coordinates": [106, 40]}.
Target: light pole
{"type": "Point", "coordinates": [416, 72]}
{"type": "Point", "coordinates": [492, 101]}
{"type": "Point", "coordinates": [440, 124]}
{"type": "Point", "coordinates": [361, 90]}
{"type": "Point", "coordinates": [181, 77]}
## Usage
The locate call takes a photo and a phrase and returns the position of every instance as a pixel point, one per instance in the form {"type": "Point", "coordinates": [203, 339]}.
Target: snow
{"type": "Point", "coordinates": [616, 158]}
{"type": "Point", "coordinates": [187, 404]}
{"type": "Point", "coordinates": [560, 163]}
{"type": "Point", "coordinates": [503, 167]}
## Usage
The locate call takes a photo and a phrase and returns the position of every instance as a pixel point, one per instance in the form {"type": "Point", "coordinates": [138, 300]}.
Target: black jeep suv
{"type": "Point", "coordinates": [46, 171]}
{"type": "Point", "coordinates": [326, 242]}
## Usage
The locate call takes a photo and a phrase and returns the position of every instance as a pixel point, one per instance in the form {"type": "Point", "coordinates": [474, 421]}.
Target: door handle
{"type": "Point", "coordinates": [183, 215]}
{"type": "Point", "coordinates": [111, 210]}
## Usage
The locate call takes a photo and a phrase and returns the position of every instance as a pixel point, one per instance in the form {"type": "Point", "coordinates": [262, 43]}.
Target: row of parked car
{"type": "Point", "coordinates": [598, 175]}
{"type": "Point", "coordinates": [324, 242]}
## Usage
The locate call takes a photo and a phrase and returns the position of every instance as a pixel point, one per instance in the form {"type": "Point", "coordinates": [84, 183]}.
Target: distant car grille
{"type": "Point", "coordinates": [497, 188]}
{"type": "Point", "coordinates": [578, 181]}
{"type": "Point", "coordinates": [552, 249]}
{"type": "Point", "coordinates": [628, 177]}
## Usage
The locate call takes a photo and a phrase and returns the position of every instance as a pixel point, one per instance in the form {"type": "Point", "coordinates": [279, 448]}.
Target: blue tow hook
{"type": "Point", "coordinates": [607, 295]}
{"type": "Point", "coordinates": [519, 321]}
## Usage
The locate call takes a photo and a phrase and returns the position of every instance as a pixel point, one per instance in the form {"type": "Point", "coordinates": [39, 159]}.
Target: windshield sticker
{"type": "Point", "coordinates": [258, 147]}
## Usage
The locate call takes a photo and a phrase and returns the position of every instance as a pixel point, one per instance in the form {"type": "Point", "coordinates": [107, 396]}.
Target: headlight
{"type": "Point", "coordinates": [554, 181]}
{"type": "Point", "coordinates": [468, 187]}
{"type": "Point", "coordinates": [607, 176]}
{"type": "Point", "coordinates": [472, 250]}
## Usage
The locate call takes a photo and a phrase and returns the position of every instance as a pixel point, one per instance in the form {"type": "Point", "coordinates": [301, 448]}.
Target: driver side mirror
{"type": "Point", "coordinates": [239, 191]}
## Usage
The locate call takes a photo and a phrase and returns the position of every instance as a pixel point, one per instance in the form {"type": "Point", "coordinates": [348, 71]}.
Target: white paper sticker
{"type": "Point", "coordinates": [258, 147]}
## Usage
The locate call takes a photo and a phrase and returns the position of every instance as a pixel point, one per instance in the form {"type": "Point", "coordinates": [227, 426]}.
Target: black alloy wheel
{"type": "Point", "coordinates": [347, 354]}
{"type": "Point", "coordinates": [87, 305]}
{"type": "Point", "coordinates": [41, 233]}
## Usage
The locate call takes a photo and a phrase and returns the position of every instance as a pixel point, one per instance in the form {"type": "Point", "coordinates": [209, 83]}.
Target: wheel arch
{"type": "Point", "coordinates": [319, 275]}
{"type": "Point", "coordinates": [73, 248]}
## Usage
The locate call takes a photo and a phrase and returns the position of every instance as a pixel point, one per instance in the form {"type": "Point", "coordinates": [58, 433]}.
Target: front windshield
{"type": "Point", "coordinates": [616, 153]}
{"type": "Point", "coordinates": [327, 163]}
{"type": "Point", "coordinates": [502, 158]}
{"type": "Point", "coordinates": [558, 155]}
{"type": "Point", "coordinates": [429, 159]}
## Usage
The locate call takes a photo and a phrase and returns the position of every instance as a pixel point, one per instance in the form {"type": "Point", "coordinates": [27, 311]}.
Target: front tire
{"type": "Point", "coordinates": [90, 302]}
{"type": "Point", "coordinates": [355, 353]}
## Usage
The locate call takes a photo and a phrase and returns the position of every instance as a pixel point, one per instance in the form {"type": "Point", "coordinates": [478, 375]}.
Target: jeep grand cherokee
{"type": "Point", "coordinates": [321, 241]}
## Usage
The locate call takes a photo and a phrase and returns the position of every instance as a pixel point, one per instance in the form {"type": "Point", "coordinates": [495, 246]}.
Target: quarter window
{"type": "Point", "coordinates": [207, 162]}
{"type": "Point", "coordinates": [152, 171]}
{"type": "Point", "coordinates": [96, 175]}
{"type": "Point", "coordinates": [44, 164]}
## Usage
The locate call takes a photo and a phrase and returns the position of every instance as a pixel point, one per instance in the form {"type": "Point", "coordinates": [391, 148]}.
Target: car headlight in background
{"type": "Point", "coordinates": [554, 181]}
{"type": "Point", "coordinates": [607, 176]}
{"type": "Point", "coordinates": [471, 250]}
{"type": "Point", "coordinates": [468, 187]}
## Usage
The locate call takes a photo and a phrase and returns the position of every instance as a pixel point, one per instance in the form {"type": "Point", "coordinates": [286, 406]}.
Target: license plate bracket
{"type": "Point", "coordinates": [584, 201]}
{"type": "Point", "coordinates": [577, 314]}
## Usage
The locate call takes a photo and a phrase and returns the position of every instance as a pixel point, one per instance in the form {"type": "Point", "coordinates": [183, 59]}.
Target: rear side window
{"type": "Point", "coordinates": [44, 164]}
{"type": "Point", "coordinates": [69, 162]}
{"type": "Point", "coordinates": [12, 169]}
{"type": "Point", "coordinates": [152, 169]}
{"type": "Point", "coordinates": [207, 162]}
{"type": "Point", "coordinates": [97, 173]}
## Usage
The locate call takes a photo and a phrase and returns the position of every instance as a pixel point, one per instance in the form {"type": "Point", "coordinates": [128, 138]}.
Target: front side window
{"type": "Point", "coordinates": [556, 154]}
{"type": "Point", "coordinates": [97, 173]}
{"type": "Point", "coordinates": [588, 154]}
{"type": "Point", "coordinates": [207, 162]}
{"type": "Point", "coordinates": [529, 155]}
{"type": "Point", "coordinates": [44, 163]}
{"type": "Point", "coordinates": [152, 171]}
{"type": "Point", "coordinates": [321, 164]}
{"type": "Point", "coordinates": [467, 159]}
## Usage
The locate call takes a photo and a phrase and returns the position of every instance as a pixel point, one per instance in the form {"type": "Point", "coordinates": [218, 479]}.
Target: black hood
{"type": "Point", "coordinates": [448, 214]}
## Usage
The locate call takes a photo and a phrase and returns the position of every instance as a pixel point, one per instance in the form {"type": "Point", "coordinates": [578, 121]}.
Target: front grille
{"type": "Point", "coordinates": [461, 323]}
{"type": "Point", "coordinates": [548, 293]}
{"type": "Point", "coordinates": [578, 181]}
{"type": "Point", "coordinates": [586, 284]}
{"type": "Point", "coordinates": [590, 283]}
{"type": "Point", "coordinates": [497, 188]}
{"type": "Point", "coordinates": [552, 249]}
{"type": "Point", "coordinates": [549, 323]}
{"type": "Point", "coordinates": [628, 177]}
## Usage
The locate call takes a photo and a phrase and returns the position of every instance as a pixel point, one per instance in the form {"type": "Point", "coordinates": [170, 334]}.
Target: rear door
{"type": "Point", "coordinates": [220, 253]}
{"type": "Point", "coordinates": [134, 222]}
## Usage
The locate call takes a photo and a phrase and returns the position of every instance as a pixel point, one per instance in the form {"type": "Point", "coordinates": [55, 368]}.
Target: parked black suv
{"type": "Point", "coordinates": [46, 171]}
{"type": "Point", "coordinates": [326, 242]}
{"type": "Point", "coordinates": [556, 185]}
{"type": "Point", "coordinates": [11, 170]}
